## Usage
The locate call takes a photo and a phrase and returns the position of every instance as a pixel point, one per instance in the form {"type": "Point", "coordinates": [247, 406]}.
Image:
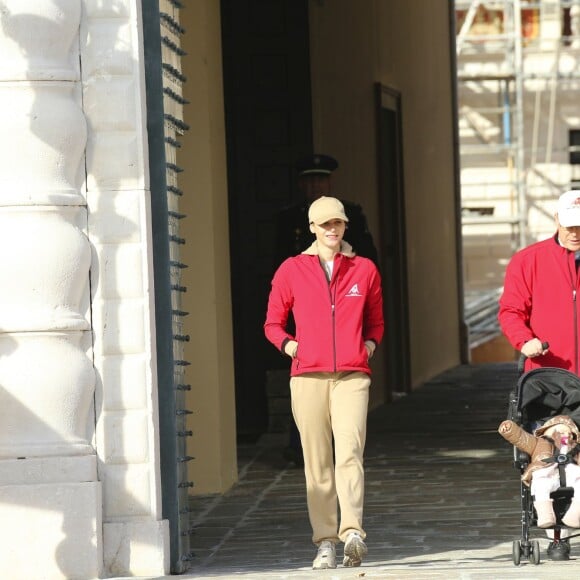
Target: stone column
{"type": "Point", "coordinates": [50, 499]}
{"type": "Point", "coordinates": [80, 488]}
{"type": "Point", "coordinates": [135, 535]}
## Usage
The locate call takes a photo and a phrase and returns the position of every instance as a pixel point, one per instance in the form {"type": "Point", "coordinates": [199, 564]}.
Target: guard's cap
{"type": "Point", "coordinates": [316, 164]}
{"type": "Point", "coordinates": [569, 209]}
{"type": "Point", "coordinates": [325, 209]}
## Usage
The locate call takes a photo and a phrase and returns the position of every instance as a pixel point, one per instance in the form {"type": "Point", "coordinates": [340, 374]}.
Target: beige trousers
{"type": "Point", "coordinates": [327, 405]}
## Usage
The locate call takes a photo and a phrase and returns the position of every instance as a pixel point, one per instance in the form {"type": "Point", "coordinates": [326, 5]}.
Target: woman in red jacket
{"type": "Point", "coordinates": [336, 301]}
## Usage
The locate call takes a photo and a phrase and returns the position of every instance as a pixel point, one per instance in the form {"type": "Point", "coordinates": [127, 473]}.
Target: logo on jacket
{"type": "Point", "coordinates": [354, 291]}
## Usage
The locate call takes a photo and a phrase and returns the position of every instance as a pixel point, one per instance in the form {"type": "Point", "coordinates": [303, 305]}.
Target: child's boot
{"type": "Point", "coordinates": [546, 515]}
{"type": "Point", "coordinates": [572, 516]}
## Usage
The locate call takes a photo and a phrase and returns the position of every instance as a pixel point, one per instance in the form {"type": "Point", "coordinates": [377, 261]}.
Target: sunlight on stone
{"type": "Point", "coordinates": [468, 453]}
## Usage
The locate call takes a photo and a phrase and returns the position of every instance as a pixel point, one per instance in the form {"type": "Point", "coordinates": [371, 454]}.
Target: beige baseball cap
{"type": "Point", "coordinates": [325, 209]}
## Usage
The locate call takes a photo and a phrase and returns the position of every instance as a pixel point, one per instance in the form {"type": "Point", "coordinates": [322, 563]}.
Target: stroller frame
{"type": "Point", "coordinates": [524, 417]}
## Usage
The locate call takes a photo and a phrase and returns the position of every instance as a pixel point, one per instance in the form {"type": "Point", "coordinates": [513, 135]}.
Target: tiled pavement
{"type": "Point", "coordinates": [442, 497]}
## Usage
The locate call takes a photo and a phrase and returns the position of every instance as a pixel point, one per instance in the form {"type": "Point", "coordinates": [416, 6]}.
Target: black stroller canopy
{"type": "Point", "coordinates": [547, 392]}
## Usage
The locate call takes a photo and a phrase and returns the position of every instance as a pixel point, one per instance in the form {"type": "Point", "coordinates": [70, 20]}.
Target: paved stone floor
{"type": "Point", "coordinates": [442, 497]}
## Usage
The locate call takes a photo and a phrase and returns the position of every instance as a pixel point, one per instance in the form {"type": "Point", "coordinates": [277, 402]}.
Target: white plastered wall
{"type": "Point", "coordinates": [118, 199]}
{"type": "Point", "coordinates": [79, 454]}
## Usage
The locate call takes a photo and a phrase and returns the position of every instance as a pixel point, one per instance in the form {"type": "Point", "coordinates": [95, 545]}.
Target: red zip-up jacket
{"type": "Point", "coordinates": [539, 301]}
{"type": "Point", "coordinates": [333, 319]}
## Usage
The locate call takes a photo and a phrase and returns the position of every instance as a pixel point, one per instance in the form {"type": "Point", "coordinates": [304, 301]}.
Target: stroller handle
{"type": "Point", "coordinates": [523, 357]}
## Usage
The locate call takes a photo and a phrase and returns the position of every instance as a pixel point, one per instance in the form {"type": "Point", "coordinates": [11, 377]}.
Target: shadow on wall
{"type": "Point", "coordinates": [26, 474]}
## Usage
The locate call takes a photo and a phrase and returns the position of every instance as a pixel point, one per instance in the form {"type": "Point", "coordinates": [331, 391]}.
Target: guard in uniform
{"type": "Point", "coordinates": [315, 180]}
{"type": "Point", "coordinates": [293, 236]}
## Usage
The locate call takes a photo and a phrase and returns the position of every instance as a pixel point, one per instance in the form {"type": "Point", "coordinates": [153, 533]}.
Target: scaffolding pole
{"type": "Point", "coordinates": [519, 122]}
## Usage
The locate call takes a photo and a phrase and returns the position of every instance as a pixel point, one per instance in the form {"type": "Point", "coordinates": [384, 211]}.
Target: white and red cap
{"type": "Point", "coordinates": [569, 209]}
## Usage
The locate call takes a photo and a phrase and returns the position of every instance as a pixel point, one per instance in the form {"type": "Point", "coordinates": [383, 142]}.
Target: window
{"type": "Point", "coordinates": [574, 142]}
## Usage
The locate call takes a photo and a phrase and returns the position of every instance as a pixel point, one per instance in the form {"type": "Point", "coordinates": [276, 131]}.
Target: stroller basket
{"type": "Point", "coordinates": [540, 394]}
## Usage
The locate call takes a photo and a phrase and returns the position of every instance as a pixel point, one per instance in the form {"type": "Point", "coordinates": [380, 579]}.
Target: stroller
{"type": "Point", "coordinates": [540, 394]}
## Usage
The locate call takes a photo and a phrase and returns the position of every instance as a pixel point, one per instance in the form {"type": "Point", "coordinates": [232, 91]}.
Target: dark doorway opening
{"type": "Point", "coordinates": [394, 247]}
{"type": "Point", "coordinates": [266, 65]}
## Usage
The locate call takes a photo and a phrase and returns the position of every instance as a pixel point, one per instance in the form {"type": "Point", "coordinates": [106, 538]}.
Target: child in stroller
{"type": "Point", "coordinates": [544, 408]}
{"type": "Point", "coordinates": [553, 448]}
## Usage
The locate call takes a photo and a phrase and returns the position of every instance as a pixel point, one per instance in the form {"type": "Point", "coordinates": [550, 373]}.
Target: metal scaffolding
{"type": "Point", "coordinates": [499, 57]}
{"type": "Point", "coordinates": [519, 119]}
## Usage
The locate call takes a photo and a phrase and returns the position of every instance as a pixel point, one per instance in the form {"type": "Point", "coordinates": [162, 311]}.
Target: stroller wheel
{"type": "Point", "coordinates": [535, 552]}
{"type": "Point", "coordinates": [517, 552]}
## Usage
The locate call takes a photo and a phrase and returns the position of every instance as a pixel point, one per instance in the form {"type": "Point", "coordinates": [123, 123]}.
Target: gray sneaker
{"type": "Point", "coordinates": [354, 550]}
{"type": "Point", "coordinates": [325, 557]}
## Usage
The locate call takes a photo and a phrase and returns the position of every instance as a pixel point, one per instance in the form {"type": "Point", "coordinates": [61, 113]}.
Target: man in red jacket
{"type": "Point", "coordinates": [539, 302]}
{"type": "Point", "coordinates": [336, 300]}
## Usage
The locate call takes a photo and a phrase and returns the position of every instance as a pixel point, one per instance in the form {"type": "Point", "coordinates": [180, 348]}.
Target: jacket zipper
{"type": "Point", "coordinates": [332, 297]}
{"type": "Point", "coordinates": [575, 330]}
{"type": "Point", "coordinates": [333, 306]}
{"type": "Point", "coordinates": [573, 279]}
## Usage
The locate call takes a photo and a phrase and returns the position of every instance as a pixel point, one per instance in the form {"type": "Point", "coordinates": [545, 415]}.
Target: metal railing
{"type": "Point", "coordinates": [481, 310]}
